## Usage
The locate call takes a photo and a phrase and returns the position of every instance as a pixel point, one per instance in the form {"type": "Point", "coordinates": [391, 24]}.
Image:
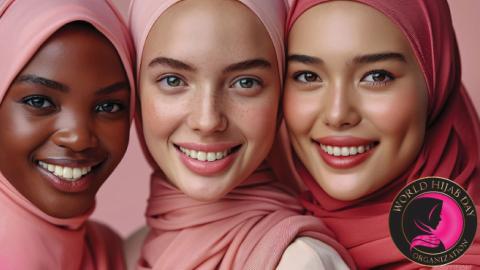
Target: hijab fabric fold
{"type": "Point", "coordinates": [251, 226]}
{"type": "Point", "coordinates": [31, 239]}
{"type": "Point", "coordinates": [451, 146]}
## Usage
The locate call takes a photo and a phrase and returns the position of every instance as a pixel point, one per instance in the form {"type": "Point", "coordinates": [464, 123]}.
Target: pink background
{"type": "Point", "coordinates": [121, 201]}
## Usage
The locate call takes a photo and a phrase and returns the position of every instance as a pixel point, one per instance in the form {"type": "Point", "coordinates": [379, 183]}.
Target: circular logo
{"type": "Point", "coordinates": [433, 221]}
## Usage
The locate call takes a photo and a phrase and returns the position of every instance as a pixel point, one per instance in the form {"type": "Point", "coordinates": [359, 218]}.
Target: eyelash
{"type": "Point", "coordinates": [164, 81]}
{"type": "Point", "coordinates": [101, 107]}
{"type": "Point", "coordinates": [29, 101]}
{"type": "Point", "coordinates": [389, 77]}
{"type": "Point", "coordinates": [301, 77]}
{"type": "Point", "coordinates": [255, 83]}
{"type": "Point", "coordinates": [50, 106]}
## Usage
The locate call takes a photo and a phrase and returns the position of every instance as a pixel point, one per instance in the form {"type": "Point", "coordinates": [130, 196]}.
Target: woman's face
{"type": "Point", "coordinates": [209, 91]}
{"type": "Point", "coordinates": [355, 100]}
{"type": "Point", "coordinates": [65, 121]}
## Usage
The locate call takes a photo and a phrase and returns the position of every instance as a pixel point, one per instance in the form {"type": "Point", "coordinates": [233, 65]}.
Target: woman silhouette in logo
{"type": "Point", "coordinates": [420, 220]}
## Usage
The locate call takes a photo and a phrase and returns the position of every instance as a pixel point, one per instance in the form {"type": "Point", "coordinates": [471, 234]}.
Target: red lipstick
{"type": "Point", "coordinates": [344, 152]}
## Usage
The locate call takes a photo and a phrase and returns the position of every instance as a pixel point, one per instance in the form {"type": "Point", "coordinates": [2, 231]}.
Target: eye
{"type": "Point", "coordinates": [109, 107]}
{"type": "Point", "coordinates": [306, 77]}
{"type": "Point", "coordinates": [171, 81]}
{"type": "Point", "coordinates": [38, 102]}
{"type": "Point", "coordinates": [246, 83]}
{"type": "Point", "coordinates": [378, 77]}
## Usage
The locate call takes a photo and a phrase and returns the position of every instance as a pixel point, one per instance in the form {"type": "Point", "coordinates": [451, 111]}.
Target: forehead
{"type": "Point", "coordinates": [346, 26]}
{"type": "Point", "coordinates": [210, 28]}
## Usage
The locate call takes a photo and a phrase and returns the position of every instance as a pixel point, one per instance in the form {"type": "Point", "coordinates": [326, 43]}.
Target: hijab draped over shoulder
{"type": "Point", "coordinates": [252, 225]}
{"type": "Point", "coordinates": [451, 147]}
{"type": "Point", "coordinates": [31, 239]}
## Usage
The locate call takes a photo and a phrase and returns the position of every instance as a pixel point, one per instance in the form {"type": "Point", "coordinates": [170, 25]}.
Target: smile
{"type": "Point", "coordinates": [64, 172]}
{"type": "Point", "coordinates": [208, 160]}
{"type": "Point", "coordinates": [346, 151]}
{"type": "Point", "coordinates": [205, 156]}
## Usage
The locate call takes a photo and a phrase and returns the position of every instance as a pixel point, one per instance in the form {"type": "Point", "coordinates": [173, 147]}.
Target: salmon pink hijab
{"type": "Point", "coordinates": [451, 148]}
{"type": "Point", "coordinates": [252, 225]}
{"type": "Point", "coordinates": [29, 238]}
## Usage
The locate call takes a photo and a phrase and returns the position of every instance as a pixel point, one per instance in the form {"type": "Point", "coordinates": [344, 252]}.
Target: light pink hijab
{"type": "Point", "coordinates": [29, 238]}
{"type": "Point", "coordinates": [252, 225]}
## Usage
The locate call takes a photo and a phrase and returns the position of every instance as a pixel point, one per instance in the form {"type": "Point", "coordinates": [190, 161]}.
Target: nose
{"type": "Point", "coordinates": [206, 114]}
{"type": "Point", "coordinates": [75, 133]}
{"type": "Point", "coordinates": [340, 108]}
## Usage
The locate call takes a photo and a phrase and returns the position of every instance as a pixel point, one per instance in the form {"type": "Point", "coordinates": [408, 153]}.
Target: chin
{"type": "Point", "coordinates": [204, 192]}
{"type": "Point", "coordinates": [346, 192]}
{"type": "Point", "coordinates": [69, 210]}
{"type": "Point", "coordinates": [205, 196]}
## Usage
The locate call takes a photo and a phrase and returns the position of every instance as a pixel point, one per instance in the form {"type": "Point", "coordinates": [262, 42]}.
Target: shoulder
{"type": "Point", "coordinates": [105, 244]}
{"type": "Point", "coordinates": [102, 234]}
{"type": "Point", "coordinates": [310, 253]}
{"type": "Point", "coordinates": [133, 246]}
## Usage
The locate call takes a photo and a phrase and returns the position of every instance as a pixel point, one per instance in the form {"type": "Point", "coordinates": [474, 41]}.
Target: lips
{"type": "Point", "coordinates": [345, 152]}
{"type": "Point", "coordinates": [207, 160]}
{"type": "Point", "coordinates": [68, 175]}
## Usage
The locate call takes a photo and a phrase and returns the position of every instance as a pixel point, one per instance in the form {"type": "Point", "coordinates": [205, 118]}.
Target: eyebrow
{"type": "Point", "coordinates": [248, 64]}
{"type": "Point", "coordinates": [33, 79]}
{"type": "Point", "coordinates": [377, 57]}
{"type": "Point", "coordinates": [362, 59]}
{"type": "Point", "coordinates": [304, 59]}
{"type": "Point", "coordinates": [113, 88]}
{"type": "Point", "coordinates": [173, 63]}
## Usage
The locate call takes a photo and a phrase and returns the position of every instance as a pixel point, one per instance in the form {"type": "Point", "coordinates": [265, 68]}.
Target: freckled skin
{"type": "Point", "coordinates": [208, 106]}
{"type": "Point", "coordinates": [342, 101]}
{"type": "Point", "coordinates": [70, 126]}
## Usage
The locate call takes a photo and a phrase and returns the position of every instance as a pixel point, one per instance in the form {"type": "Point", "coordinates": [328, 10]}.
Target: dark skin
{"type": "Point", "coordinates": [69, 106]}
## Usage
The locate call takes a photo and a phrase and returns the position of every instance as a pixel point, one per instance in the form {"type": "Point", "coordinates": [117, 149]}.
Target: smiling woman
{"type": "Point", "coordinates": [67, 130]}
{"type": "Point", "coordinates": [373, 101]}
{"type": "Point", "coordinates": [66, 93]}
{"type": "Point", "coordinates": [210, 75]}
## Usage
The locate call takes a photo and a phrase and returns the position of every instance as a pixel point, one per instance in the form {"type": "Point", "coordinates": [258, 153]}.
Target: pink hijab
{"type": "Point", "coordinates": [451, 147]}
{"type": "Point", "coordinates": [31, 239]}
{"type": "Point", "coordinates": [252, 225]}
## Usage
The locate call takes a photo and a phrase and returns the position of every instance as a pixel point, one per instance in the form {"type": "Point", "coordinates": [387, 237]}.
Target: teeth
{"type": "Point", "coordinates": [205, 156]}
{"type": "Point", "coordinates": [336, 151]}
{"type": "Point", "coordinates": [202, 156]}
{"type": "Point", "coordinates": [193, 154]}
{"type": "Point", "coordinates": [66, 173]}
{"type": "Point", "coordinates": [345, 151]}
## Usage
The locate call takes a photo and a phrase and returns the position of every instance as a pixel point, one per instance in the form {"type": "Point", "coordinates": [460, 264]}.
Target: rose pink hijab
{"type": "Point", "coordinates": [451, 148]}
{"type": "Point", "coordinates": [252, 225]}
{"type": "Point", "coordinates": [29, 238]}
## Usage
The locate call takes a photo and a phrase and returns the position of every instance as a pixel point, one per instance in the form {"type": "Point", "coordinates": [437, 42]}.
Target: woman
{"type": "Point", "coordinates": [423, 217]}
{"type": "Point", "coordinates": [373, 101]}
{"type": "Point", "coordinates": [66, 89]}
{"type": "Point", "coordinates": [210, 78]}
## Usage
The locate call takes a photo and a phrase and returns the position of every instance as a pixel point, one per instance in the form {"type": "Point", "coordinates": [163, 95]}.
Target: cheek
{"type": "Point", "coordinates": [23, 133]}
{"type": "Point", "coordinates": [256, 119]}
{"type": "Point", "coordinates": [160, 115]}
{"type": "Point", "coordinates": [114, 136]}
{"type": "Point", "coordinates": [301, 111]}
{"type": "Point", "coordinates": [406, 111]}
{"type": "Point", "coordinates": [19, 138]}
